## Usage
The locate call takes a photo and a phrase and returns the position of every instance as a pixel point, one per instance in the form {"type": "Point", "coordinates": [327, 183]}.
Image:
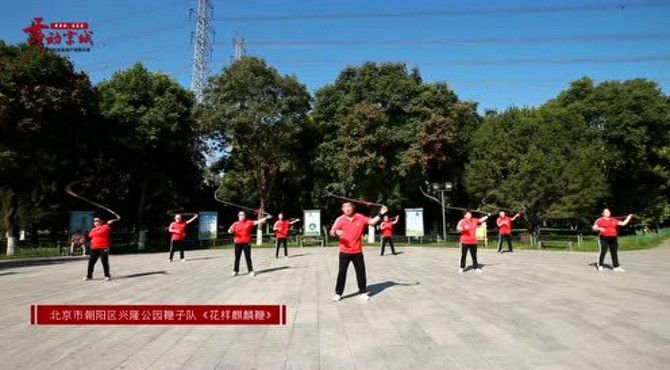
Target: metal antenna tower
{"type": "Point", "coordinates": [203, 45]}
{"type": "Point", "coordinates": [238, 46]}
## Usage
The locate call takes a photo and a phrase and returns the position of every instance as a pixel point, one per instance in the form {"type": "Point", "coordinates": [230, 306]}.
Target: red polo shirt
{"type": "Point", "coordinates": [179, 230]}
{"type": "Point", "coordinates": [351, 241]}
{"type": "Point", "coordinates": [504, 225]}
{"type": "Point", "coordinates": [242, 231]}
{"type": "Point", "coordinates": [99, 237]}
{"type": "Point", "coordinates": [469, 234]}
{"type": "Point", "coordinates": [387, 228]}
{"type": "Point", "coordinates": [609, 224]}
{"type": "Point", "coordinates": [281, 228]}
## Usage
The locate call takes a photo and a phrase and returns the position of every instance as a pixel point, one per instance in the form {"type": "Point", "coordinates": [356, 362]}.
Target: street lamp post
{"type": "Point", "coordinates": [442, 188]}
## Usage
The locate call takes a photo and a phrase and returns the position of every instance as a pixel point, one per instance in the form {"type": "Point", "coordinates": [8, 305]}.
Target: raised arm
{"type": "Point", "coordinates": [192, 219]}
{"type": "Point", "coordinates": [516, 216]}
{"type": "Point", "coordinates": [626, 221]}
{"type": "Point", "coordinates": [294, 221]}
{"type": "Point", "coordinates": [262, 220]}
{"type": "Point", "coordinates": [483, 219]}
{"type": "Point", "coordinates": [375, 220]}
{"type": "Point", "coordinates": [395, 221]}
{"type": "Point", "coordinates": [110, 222]}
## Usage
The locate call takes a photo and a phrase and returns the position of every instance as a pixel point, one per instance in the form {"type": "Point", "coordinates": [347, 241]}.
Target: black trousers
{"type": "Point", "coordinates": [389, 240]}
{"type": "Point", "coordinates": [281, 241]}
{"type": "Point", "coordinates": [359, 266]}
{"type": "Point", "coordinates": [502, 238]}
{"type": "Point", "coordinates": [247, 256]}
{"type": "Point", "coordinates": [611, 243]}
{"type": "Point", "coordinates": [473, 254]}
{"type": "Point", "coordinates": [103, 254]}
{"type": "Point", "coordinates": [178, 245]}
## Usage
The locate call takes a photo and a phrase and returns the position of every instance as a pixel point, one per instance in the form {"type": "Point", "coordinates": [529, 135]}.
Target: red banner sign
{"type": "Point", "coordinates": [158, 315]}
{"type": "Point", "coordinates": [72, 36]}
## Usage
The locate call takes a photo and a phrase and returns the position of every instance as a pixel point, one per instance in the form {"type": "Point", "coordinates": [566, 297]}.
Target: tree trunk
{"type": "Point", "coordinates": [533, 224]}
{"type": "Point", "coordinates": [261, 187]}
{"type": "Point", "coordinates": [10, 223]}
{"type": "Point", "coordinates": [259, 230]}
{"type": "Point", "coordinates": [140, 208]}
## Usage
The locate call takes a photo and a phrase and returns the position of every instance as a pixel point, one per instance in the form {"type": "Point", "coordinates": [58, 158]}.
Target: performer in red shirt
{"type": "Point", "coordinates": [178, 231]}
{"type": "Point", "coordinates": [504, 223]}
{"type": "Point", "coordinates": [241, 230]}
{"type": "Point", "coordinates": [349, 228]}
{"type": "Point", "coordinates": [387, 233]}
{"type": "Point", "coordinates": [468, 229]}
{"type": "Point", "coordinates": [100, 244]}
{"type": "Point", "coordinates": [607, 226]}
{"type": "Point", "coordinates": [281, 229]}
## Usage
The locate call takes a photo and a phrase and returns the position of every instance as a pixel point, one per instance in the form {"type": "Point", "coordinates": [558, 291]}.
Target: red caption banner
{"type": "Point", "coordinates": [158, 314]}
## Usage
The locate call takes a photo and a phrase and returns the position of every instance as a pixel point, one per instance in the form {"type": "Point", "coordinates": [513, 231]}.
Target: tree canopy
{"type": "Point", "coordinates": [378, 131]}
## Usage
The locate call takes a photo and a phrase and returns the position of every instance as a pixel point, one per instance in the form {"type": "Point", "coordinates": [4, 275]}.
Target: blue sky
{"type": "Point", "coordinates": [529, 56]}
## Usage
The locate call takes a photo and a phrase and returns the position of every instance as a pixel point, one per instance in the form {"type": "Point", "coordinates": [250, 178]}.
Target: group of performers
{"type": "Point", "coordinates": [349, 229]}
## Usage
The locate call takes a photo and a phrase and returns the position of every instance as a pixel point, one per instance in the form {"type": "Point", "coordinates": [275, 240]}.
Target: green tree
{"type": "Point", "coordinates": [544, 161]}
{"type": "Point", "coordinates": [633, 121]}
{"type": "Point", "coordinates": [155, 150]}
{"type": "Point", "coordinates": [47, 120]}
{"type": "Point", "coordinates": [254, 119]}
{"type": "Point", "coordinates": [385, 133]}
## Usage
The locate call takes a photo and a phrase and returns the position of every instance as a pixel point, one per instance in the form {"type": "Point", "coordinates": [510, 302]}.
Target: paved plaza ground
{"type": "Point", "coordinates": [527, 310]}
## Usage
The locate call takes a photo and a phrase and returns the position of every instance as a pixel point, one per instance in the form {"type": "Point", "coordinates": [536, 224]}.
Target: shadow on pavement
{"type": "Point", "coordinates": [374, 289]}
{"type": "Point", "coordinates": [40, 261]}
{"type": "Point", "coordinates": [142, 274]}
{"type": "Point", "coordinates": [391, 254]}
{"type": "Point", "coordinates": [201, 258]}
{"type": "Point", "coordinates": [595, 265]}
{"type": "Point", "coordinates": [271, 270]}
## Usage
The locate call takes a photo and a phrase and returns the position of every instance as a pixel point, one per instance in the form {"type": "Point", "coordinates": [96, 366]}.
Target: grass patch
{"type": "Point", "coordinates": [22, 253]}
{"type": "Point", "coordinates": [629, 242]}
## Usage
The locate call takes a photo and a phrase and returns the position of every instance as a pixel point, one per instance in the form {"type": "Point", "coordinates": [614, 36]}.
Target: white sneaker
{"type": "Point", "coordinates": [337, 298]}
{"type": "Point", "coordinates": [169, 261]}
{"type": "Point", "coordinates": [478, 270]}
{"type": "Point", "coordinates": [460, 270]}
{"type": "Point", "coordinates": [365, 296]}
{"type": "Point", "coordinates": [108, 278]}
{"type": "Point", "coordinates": [234, 273]}
{"type": "Point", "coordinates": [619, 269]}
{"type": "Point", "coordinates": [183, 259]}
{"type": "Point", "coordinates": [285, 257]}
{"type": "Point", "coordinates": [86, 278]}
{"type": "Point", "coordinates": [600, 268]}
{"type": "Point", "coordinates": [252, 274]}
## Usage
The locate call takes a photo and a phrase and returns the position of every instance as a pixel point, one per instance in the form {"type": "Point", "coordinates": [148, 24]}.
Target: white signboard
{"type": "Point", "coordinates": [207, 225]}
{"type": "Point", "coordinates": [312, 222]}
{"type": "Point", "coordinates": [414, 222]}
